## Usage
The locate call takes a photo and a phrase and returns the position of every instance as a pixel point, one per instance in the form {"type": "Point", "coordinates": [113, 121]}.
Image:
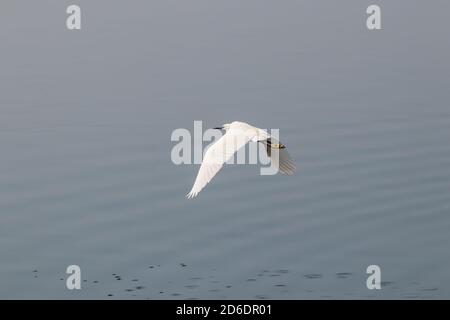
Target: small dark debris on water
{"type": "Point", "coordinates": [343, 275]}
{"type": "Point", "coordinates": [35, 271]}
{"type": "Point", "coordinates": [430, 289]}
{"type": "Point", "coordinates": [151, 267]}
{"type": "Point", "coordinates": [110, 295]}
{"type": "Point", "coordinates": [313, 276]}
{"type": "Point", "coordinates": [183, 264]}
{"type": "Point", "coordinates": [191, 286]}
{"type": "Point", "coordinates": [139, 287]}
{"type": "Point", "coordinates": [129, 290]}
{"type": "Point", "coordinates": [95, 281]}
{"type": "Point", "coordinates": [250, 280]}
{"type": "Point", "coordinates": [135, 280]}
{"type": "Point", "coordinates": [282, 271]}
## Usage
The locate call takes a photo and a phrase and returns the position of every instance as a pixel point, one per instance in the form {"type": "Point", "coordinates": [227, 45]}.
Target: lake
{"type": "Point", "coordinates": [86, 118]}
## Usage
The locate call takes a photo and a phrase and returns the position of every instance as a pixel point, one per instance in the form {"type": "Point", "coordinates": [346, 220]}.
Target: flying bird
{"type": "Point", "coordinates": [237, 134]}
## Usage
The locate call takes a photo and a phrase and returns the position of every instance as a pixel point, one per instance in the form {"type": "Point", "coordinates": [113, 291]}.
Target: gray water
{"type": "Point", "coordinates": [86, 176]}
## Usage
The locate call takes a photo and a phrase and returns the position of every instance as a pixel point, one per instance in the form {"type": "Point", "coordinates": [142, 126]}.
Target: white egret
{"type": "Point", "coordinates": [237, 134]}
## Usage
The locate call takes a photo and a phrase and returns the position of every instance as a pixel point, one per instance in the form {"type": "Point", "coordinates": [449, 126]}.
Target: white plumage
{"type": "Point", "coordinates": [237, 135]}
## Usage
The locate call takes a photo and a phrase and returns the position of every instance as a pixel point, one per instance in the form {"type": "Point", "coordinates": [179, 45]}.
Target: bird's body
{"type": "Point", "coordinates": [237, 135]}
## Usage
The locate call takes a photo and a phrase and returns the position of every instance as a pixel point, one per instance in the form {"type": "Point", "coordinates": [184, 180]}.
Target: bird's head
{"type": "Point", "coordinates": [225, 127]}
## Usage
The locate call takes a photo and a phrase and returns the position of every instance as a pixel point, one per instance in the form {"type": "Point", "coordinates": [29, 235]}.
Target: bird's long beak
{"type": "Point", "coordinates": [218, 128]}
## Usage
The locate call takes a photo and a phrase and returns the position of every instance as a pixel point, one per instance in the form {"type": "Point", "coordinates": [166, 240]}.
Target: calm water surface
{"type": "Point", "coordinates": [85, 170]}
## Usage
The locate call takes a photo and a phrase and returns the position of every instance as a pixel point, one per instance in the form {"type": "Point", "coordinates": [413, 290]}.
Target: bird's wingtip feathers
{"type": "Point", "coordinates": [288, 168]}
{"type": "Point", "coordinates": [191, 195]}
{"type": "Point", "coordinates": [288, 173]}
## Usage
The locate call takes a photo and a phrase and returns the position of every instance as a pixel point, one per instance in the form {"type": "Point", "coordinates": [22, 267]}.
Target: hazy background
{"type": "Point", "coordinates": [85, 171]}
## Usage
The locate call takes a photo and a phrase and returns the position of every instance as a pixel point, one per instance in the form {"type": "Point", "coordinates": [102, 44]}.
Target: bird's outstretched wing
{"type": "Point", "coordinates": [217, 154]}
{"type": "Point", "coordinates": [283, 160]}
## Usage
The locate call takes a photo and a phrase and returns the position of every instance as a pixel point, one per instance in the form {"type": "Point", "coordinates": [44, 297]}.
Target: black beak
{"type": "Point", "coordinates": [218, 128]}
